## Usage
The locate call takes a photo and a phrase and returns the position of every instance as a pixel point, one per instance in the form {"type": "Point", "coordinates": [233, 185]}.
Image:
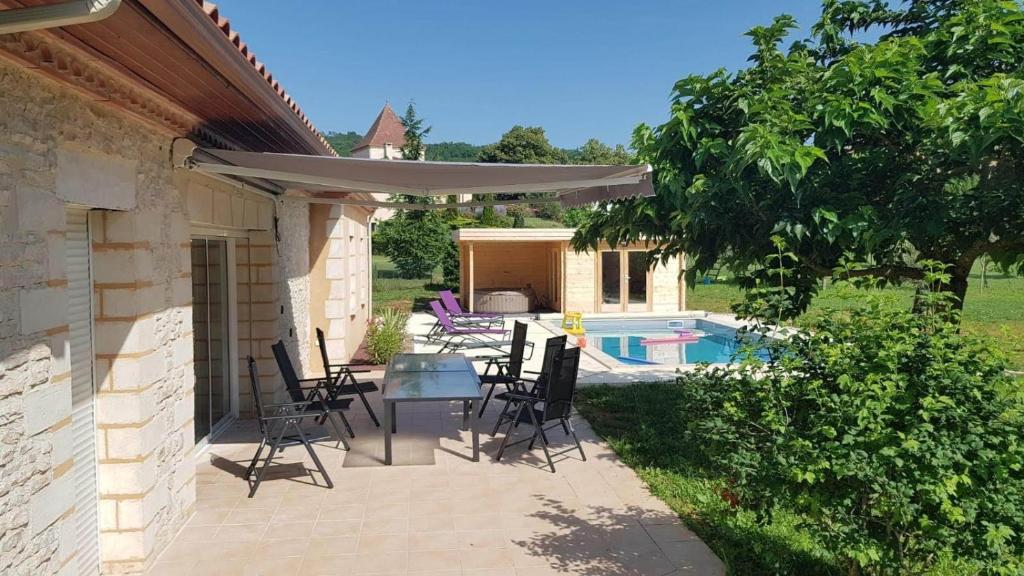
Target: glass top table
{"type": "Point", "coordinates": [431, 378]}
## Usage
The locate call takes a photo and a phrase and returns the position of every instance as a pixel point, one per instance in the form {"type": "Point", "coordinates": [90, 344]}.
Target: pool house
{"type": "Point", "coordinates": [519, 270]}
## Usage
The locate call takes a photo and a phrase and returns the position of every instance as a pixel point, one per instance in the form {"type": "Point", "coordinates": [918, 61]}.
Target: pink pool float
{"type": "Point", "coordinates": [678, 339]}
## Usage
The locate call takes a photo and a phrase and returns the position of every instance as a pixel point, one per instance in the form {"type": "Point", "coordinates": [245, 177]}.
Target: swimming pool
{"type": "Point", "coordinates": [622, 340]}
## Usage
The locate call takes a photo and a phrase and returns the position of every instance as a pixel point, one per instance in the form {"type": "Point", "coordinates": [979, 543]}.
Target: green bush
{"type": "Point", "coordinates": [897, 441]}
{"type": "Point", "coordinates": [489, 218]}
{"type": "Point", "coordinates": [415, 241]}
{"type": "Point", "coordinates": [385, 335]}
{"type": "Point", "coordinates": [450, 266]}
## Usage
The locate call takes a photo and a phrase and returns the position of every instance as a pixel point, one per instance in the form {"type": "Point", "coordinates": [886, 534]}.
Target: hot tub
{"type": "Point", "coordinates": [504, 300]}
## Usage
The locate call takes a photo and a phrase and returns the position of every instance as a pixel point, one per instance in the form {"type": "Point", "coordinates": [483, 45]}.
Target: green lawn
{"type": "Point", "coordinates": [533, 222]}
{"type": "Point", "coordinates": [407, 294]}
{"type": "Point", "coordinates": [640, 421]}
{"type": "Point", "coordinates": [996, 311]}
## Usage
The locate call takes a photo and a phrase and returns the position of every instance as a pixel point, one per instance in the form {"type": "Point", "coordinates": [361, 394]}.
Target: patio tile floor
{"type": "Point", "coordinates": [434, 513]}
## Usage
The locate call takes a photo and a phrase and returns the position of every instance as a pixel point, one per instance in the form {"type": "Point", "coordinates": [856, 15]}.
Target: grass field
{"type": "Point", "coordinates": [995, 310]}
{"type": "Point", "coordinates": [407, 294]}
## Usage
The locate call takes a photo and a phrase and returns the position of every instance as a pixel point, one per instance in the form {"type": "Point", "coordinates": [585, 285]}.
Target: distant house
{"type": "Point", "coordinates": [384, 139]}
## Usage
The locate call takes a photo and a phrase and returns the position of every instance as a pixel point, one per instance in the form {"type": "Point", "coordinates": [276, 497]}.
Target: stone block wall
{"type": "Point", "coordinates": [51, 142]}
{"type": "Point", "coordinates": [339, 289]}
{"type": "Point", "coordinates": [58, 148]}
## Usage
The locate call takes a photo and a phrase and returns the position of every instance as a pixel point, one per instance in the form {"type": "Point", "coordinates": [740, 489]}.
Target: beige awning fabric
{"type": "Point", "coordinates": [349, 180]}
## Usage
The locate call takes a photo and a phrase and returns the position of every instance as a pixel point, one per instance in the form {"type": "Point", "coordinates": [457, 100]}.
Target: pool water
{"type": "Point", "coordinates": [621, 339]}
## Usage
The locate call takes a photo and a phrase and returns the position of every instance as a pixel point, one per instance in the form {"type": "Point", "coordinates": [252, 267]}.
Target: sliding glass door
{"type": "Point", "coordinates": [212, 334]}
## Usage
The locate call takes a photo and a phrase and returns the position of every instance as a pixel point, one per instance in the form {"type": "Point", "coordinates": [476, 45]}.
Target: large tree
{"type": "Point", "coordinates": [888, 153]}
{"type": "Point", "coordinates": [415, 133]}
{"type": "Point", "coordinates": [523, 145]}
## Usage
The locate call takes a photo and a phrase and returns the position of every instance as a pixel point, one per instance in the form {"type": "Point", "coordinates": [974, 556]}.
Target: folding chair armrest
{"type": "Point", "coordinates": [525, 398]}
{"type": "Point", "coordinates": [293, 416]}
{"type": "Point", "coordinates": [349, 366]}
{"type": "Point", "coordinates": [312, 379]}
{"type": "Point", "coordinates": [286, 405]}
{"type": "Point", "coordinates": [529, 354]}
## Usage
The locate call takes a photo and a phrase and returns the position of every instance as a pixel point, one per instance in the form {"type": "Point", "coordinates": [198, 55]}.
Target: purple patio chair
{"type": "Point", "coordinates": [451, 304]}
{"type": "Point", "coordinates": [458, 336]}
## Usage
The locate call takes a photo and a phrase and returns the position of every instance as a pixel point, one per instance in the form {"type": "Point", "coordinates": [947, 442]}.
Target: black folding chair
{"type": "Point", "coordinates": [288, 415]}
{"type": "Point", "coordinates": [508, 367]}
{"type": "Point", "coordinates": [315, 396]}
{"type": "Point", "coordinates": [553, 404]}
{"type": "Point", "coordinates": [341, 379]}
{"type": "Point", "coordinates": [554, 348]}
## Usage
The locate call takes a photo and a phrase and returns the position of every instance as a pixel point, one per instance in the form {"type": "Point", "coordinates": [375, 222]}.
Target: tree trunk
{"type": "Point", "coordinates": [958, 286]}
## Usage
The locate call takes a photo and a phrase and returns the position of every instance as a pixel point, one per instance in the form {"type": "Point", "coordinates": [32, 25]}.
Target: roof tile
{"type": "Point", "coordinates": [386, 129]}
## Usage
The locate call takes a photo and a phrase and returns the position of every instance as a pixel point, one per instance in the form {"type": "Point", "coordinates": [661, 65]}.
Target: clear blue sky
{"type": "Point", "coordinates": [578, 68]}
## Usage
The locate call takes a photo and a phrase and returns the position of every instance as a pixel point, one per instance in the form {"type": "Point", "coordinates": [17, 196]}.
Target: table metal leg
{"type": "Point", "coordinates": [474, 423]}
{"type": "Point", "coordinates": [465, 415]}
{"type": "Point", "coordinates": [389, 416]}
{"type": "Point", "coordinates": [394, 418]}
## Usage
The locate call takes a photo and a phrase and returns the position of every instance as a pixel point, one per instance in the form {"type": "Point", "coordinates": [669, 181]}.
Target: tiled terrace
{"type": "Point", "coordinates": [434, 512]}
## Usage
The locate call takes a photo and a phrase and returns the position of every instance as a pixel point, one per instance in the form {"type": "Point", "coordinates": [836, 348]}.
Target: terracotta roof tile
{"type": "Point", "coordinates": [233, 36]}
{"type": "Point", "coordinates": [386, 129]}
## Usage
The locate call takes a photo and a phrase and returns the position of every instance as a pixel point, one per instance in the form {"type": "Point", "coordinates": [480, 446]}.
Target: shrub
{"type": "Point", "coordinates": [385, 335]}
{"type": "Point", "coordinates": [518, 214]}
{"type": "Point", "coordinates": [896, 440]}
{"type": "Point", "coordinates": [549, 211]}
{"type": "Point", "coordinates": [576, 217]}
{"type": "Point", "coordinates": [450, 266]}
{"type": "Point", "coordinates": [415, 241]}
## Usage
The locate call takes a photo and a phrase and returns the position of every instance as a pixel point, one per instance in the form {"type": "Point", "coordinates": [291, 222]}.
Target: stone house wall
{"type": "Point", "coordinates": [57, 148]}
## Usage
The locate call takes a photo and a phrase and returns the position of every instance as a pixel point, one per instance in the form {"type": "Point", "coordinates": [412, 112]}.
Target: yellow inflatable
{"type": "Point", "coordinates": [572, 323]}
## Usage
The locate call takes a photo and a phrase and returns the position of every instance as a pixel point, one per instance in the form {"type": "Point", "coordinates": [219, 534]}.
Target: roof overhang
{"type": "Point", "coordinates": [349, 180]}
{"type": "Point", "coordinates": [506, 235]}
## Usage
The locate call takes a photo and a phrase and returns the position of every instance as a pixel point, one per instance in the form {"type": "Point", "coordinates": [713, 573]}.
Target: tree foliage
{"type": "Point", "coordinates": [523, 145]}
{"type": "Point", "coordinates": [417, 241]}
{"type": "Point", "coordinates": [897, 441]}
{"type": "Point", "coordinates": [889, 153]}
{"type": "Point", "coordinates": [415, 133]}
{"type": "Point", "coordinates": [453, 152]}
{"type": "Point", "coordinates": [342, 142]}
{"type": "Point", "coordinates": [594, 151]}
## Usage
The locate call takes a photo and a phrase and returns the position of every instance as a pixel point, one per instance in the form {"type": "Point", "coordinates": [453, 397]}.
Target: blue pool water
{"type": "Point", "coordinates": [621, 339]}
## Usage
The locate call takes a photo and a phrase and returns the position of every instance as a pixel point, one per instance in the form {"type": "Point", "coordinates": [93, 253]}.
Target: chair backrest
{"type": "Point", "coordinates": [284, 365]}
{"type": "Point", "coordinates": [321, 341]}
{"type": "Point", "coordinates": [442, 316]}
{"type": "Point", "coordinates": [450, 302]}
{"type": "Point", "coordinates": [518, 351]}
{"type": "Point", "coordinates": [561, 390]}
{"type": "Point", "coordinates": [257, 399]}
{"type": "Point", "coordinates": [554, 349]}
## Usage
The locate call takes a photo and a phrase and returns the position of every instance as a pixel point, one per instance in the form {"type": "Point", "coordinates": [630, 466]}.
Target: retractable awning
{"type": "Point", "coordinates": [351, 180]}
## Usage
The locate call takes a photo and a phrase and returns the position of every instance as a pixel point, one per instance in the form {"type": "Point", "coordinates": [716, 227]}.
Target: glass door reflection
{"type": "Point", "coordinates": [636, 281]}
{"type": "Point", "coordinates": [211, 334]}
{"type": "Point", "coordinates": [611, 281]}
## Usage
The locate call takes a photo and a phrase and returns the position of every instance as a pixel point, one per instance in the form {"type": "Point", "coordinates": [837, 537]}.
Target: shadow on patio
{"type": "Point", "coordinates": [434, 512]}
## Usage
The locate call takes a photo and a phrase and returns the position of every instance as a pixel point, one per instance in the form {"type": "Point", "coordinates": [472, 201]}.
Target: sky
{"type": "Point", "coordinates": [579, 68]}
